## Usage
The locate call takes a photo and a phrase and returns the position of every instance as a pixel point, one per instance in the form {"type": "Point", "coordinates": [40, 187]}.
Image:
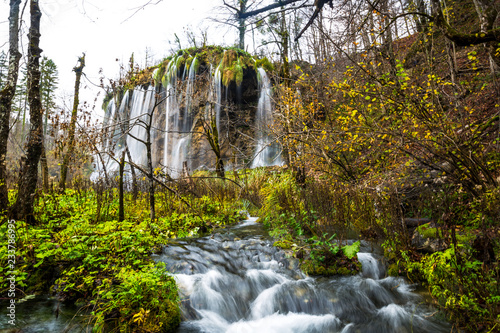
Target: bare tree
{"type": "Point", "coordinates": [7, 95]}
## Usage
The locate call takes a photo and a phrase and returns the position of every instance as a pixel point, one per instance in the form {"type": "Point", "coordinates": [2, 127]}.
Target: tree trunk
{"type": "Point", "coordinates": [121, 208]}
{"type": "Point", "coordinates": [7, 95]}
{"type": "Point", "coordinates": [151, 191]}
{"type": "Point", "coordinates": [45, 169]}
{"type": "Point", "coordinates": [284, 48]}
{"type": "Point", "coordinates": [123, 127]}
{"type": "Point", "coordinates": [135, 190]}
{"type": "Point", "coordinates": [242, 28]}
{"type": "Point", "coordinates": [213, 139]}
{"type": "Point", "coordinates": [72, 126]}
{"type": "Point", "coordinates": [23, 208]}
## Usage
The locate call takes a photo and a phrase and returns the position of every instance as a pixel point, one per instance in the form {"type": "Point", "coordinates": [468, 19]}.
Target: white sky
{"type": "Point", "coordinates": [107, 30]}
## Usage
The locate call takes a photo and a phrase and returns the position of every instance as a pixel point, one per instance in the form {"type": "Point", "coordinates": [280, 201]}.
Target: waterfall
{"type": "Point", "coordinates": [108, 125]}
{"type": "Point", "coordinates": [184, 91]}
{"type": "Point", "coordinates": [108, 122]}
{"type": "Point", "coordinates": [267, 152]}
{"type": "Point", "coordinates": [217, 89]}
{"type": "Point", "coordinates": [179, 120]}
{"type": "Point", "coordinates": [140, 111]}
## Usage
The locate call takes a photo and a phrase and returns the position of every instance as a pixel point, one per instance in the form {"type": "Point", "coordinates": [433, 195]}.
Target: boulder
{"type": "Point", "coordinates": [427, 238]}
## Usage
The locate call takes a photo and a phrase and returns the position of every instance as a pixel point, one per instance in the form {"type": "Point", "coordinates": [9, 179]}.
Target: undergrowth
{"type": "Point", "coordinates": [80, 253]}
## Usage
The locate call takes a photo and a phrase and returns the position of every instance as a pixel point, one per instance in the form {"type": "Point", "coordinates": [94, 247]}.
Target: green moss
{"type": "Point", "coordinates": [238, 73]}
{"type": "Point", "coordinates": [106, 100]}
{"type": "Point", "coordinates": [313, 267]}
{"type": "Point", "coordinates": [428, 232]}
{"type": "Point", "coordinates": [284, 244]}
{"type": "Point", "coordinates": [264, 63]}
{"type": "Point", "coordinates": [196, 64]}
{"type": "Point", "coordinates": [229, 58]}
{"type": "Point", "coordinates": [162, 67]}
{"type": "Point", "coordinates": [180, 61]}
{"type": "Point", "coordinates": [232, 63]}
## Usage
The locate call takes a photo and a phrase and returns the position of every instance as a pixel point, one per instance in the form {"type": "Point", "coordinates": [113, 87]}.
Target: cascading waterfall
{"type": "Point", "coordinates": [267, 151]}
{"type": "Point", "coordinates": [217, 90]}
{"type": "Point", "coordinates": [179, 120]}
{"type": "Point", "coordinates": [140, 111]}
{"type": "Point", "coordinates": [173, 127]}
{"type": "Point", "coordinates": [108, 126]}
{"type": "Point", "coordinates": [237, 281]}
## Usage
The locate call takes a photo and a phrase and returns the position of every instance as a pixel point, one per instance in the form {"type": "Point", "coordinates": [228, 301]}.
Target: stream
{"type": "Point", "coordinates": [236, 281]}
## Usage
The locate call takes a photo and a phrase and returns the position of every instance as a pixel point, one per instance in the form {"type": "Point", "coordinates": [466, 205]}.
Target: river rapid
{"type": "Point", "coordinates": [236, 281]}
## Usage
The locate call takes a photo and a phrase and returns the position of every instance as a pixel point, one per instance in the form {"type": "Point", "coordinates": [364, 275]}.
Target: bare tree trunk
{"type": "Point", "coordinates": [487, 12]}
{"type": "Point", "coordinates": [123, 127]}
{"type": "Point", "coordinates": [152, 213]}
{"type": "Point", "coordinates": [135, 190]}
{"type": "Point", "coordinates": [72, 126]}
{"type": "Point", "coordinates": [7, 95]}
{"type": "Point", "coordinates": [284, 47]}
{"type": "Point", "coordinates": [45, 169]}
{"type": "Point", "coordinates": [242, 28]}
{"type": "Point", "coordinates": [23, 208]}
{"type": "Point", "coordinates": [213, 139]}
{"type": "Point", "coordinates": [387, 44]}
{"type": "Point", "coordinates": [121, 208]}
{"type": "Point", "coordinates": [450, 48]}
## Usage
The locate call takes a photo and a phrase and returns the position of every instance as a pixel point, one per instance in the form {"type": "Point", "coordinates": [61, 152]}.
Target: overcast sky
{"type": "Point", "coordinates": [107, 30]}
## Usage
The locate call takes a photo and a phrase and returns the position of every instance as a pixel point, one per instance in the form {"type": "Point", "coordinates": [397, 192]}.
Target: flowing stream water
{"type": "Point", "coordinates": [236, 281]}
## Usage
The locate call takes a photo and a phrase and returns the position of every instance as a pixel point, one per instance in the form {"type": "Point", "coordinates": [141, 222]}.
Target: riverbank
{"type": "Point", "coordinates": [80, 253]}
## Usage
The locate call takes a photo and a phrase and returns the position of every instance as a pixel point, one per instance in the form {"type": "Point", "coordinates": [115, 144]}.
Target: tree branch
{"type": "Point", "coordinates": [278, 4]}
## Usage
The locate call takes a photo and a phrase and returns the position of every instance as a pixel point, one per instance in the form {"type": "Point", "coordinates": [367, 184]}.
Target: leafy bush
{"type": "Point", "coordinates": [142, 301]}
{"type": "Point", "coordinates": [469, 293]}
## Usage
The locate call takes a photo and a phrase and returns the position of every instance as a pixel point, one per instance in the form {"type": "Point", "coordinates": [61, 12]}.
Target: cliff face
{"type": "Point", "coordinates": [204, 105]}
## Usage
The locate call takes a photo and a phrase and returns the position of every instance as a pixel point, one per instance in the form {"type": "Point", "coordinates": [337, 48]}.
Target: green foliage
{"type": "Point", "coordinates": [142, 301]}
{"type": "Point", "coordinates": [469, 294]}
{"type": "Point", "coordinates": [291, 213]}
{"type": "Point", "coordinates": [80, 252]}
{"type": "Point", "coordinates": [264, 63]}
{"type": "Point", "coordinates": [428, 232]}
{"type": "Point", "coordinates": [48, 84]}
{"type": "Point", "coordinates": [350, 251]}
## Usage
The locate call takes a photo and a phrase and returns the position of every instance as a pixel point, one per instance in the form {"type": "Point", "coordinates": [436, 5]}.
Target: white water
{"type": "Point", "coordinates": [267, 153]}
{"type": "Point", "coordinates": [171, 144]}
{"type": "Point", "coordinates": [178, 120]}
{"type": "Point", "coordinates": [238, 282]}
{"type": "Point", "coordinates": [140, 111]}
{"type": "Point", "coordinates": [217, 98]}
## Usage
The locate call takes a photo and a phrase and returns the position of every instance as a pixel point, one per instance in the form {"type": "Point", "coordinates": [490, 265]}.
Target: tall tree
{"type": "Point", "coordinates": [236, 10]}
{"type": "Point", "coordinates": [7, 95]}
{"type": "Point", "coordinates": [23, 208]}
{"type": "Point", "coordinates": [72, 126]}
{"type": "Point", "coordinates": [47, 89]}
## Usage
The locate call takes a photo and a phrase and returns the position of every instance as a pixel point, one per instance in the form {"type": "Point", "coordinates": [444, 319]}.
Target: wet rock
{"type": "Point", "coordinates": [427, 239]}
